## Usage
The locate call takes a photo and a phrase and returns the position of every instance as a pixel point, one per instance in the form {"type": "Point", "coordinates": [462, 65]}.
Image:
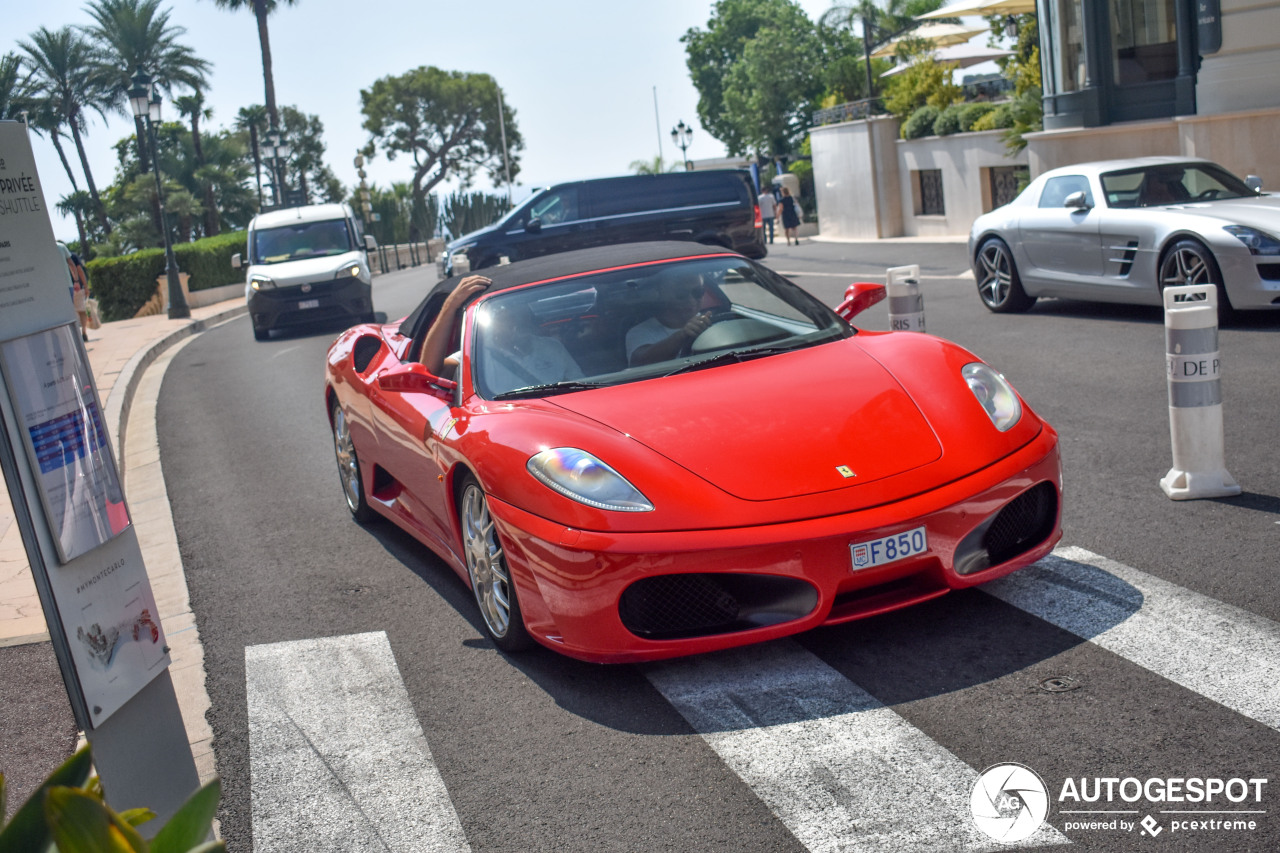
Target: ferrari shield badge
{"type": "Point", "coordinates": [845, 471]}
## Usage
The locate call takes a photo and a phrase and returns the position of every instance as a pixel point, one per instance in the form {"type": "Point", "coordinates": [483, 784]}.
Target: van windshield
{"type": "Point", "coordinates": [301, 240]}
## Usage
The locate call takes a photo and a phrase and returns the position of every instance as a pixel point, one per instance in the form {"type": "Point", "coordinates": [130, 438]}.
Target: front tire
{"type": "Point", "coordinates": [1188, 262]}
{"type": "Point", "coordinates": [999, 285]}
{"type": "Point", "coordinates": [344, 450]}
{"type": "Point", "coordinates": [490, 577]}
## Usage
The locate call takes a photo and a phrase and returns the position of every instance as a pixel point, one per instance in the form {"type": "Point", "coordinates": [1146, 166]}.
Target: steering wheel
{"type": "Point", "coordinates": [1208, 195]}
{"type": "Point", "coordinates": [716, 317]}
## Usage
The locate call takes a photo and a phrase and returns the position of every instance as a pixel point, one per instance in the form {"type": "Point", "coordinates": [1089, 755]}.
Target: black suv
{"type": "Point", "coordinates": [717, 207]}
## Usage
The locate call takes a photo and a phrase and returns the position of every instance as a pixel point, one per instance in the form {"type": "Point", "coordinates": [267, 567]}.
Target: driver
{"type": "Point", "coordinates": [675, 324]}
{"type": "Point", "coordinates": [513, 355]}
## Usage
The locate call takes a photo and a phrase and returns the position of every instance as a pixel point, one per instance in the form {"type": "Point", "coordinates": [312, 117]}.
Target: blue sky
{"type": "Point", "coordinates": [580, 74]}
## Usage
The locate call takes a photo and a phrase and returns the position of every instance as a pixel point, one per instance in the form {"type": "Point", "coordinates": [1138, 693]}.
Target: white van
{"type": "Point", "coordinates": [306, 265]}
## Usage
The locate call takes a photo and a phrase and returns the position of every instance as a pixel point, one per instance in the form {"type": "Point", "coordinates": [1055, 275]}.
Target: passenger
{"type": "Point", "coordinates": [677, 322]}
{"type": "Point", "coordinates": [439, 341]}
{"type": "Point", "coordinates": [512, 355]}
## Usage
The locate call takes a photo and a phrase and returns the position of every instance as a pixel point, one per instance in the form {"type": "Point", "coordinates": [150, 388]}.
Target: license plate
{"type": "Point", "coordinates": [309, 303]}
{"type": "Point", "coordinates": [889, 549]}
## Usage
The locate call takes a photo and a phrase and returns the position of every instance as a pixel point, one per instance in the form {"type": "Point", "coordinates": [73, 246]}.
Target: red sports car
{"type": "Point", "coordinates": [659, 449]}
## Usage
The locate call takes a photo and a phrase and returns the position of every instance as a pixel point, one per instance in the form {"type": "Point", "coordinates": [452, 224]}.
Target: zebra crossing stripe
{"type": "Point", "coordinates": [337, 757]}
{"type": "Point", "coordinates": [1219, 651]}
{"type": "Point", "coordinates": [838, 768]}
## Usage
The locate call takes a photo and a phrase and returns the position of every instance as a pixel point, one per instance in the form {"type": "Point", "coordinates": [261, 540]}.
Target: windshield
{"type": "Point", "coordinates": [301, 240]}
{"type": "Point", "coordinates": [621, 326]}
{"type": "Point", "coordinates": [1175, 183]}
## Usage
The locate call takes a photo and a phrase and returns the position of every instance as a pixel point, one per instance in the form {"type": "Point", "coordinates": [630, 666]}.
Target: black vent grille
{"type": "Point", "coordinates": [670, 606]}
{"type": "Point", "coordinates": [1025, 521]}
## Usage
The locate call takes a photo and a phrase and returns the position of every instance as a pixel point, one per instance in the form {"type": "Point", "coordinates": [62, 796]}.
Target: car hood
{"type": "Point", "coordinates": [776, 427]}
{"type": "Point", "coordinates": [472, 237]}
{"type": "Point", "coordinates": [305, 270]}
{"type": "Point", "coordinates": [1262, 211]}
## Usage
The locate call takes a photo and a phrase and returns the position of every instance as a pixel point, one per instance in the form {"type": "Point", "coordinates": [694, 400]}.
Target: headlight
{"type": "Point", "coordinates": [994, 393]}
{"type": "Point", "coordinates": [1258, 242]}
{"type": "Point", "coordinates": [578, 475]}
{"type": "Point", "coordinates": [261, 282]}
{"type": "Point", "coordinates": [351, 270]}
{"type": "Point", "coordinates": [462, 250]}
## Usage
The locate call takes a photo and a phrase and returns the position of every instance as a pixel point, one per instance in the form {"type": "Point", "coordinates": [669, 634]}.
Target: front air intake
{"type": "Point", "coordinates": [1019, 526]}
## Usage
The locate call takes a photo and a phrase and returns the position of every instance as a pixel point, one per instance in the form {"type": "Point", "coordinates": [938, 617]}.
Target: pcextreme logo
{"type": "Point", "coordinates": [1010, 802]}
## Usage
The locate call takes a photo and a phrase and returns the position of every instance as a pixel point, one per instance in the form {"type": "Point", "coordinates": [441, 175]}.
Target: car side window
{"type": "Point", "coordinates": [555, 207]}
{"type": "Point", "coordinates": [1057, 189]}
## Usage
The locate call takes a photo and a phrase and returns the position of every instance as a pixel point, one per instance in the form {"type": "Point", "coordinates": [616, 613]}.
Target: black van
{"type": "Point", "coordinates": [716, 207]}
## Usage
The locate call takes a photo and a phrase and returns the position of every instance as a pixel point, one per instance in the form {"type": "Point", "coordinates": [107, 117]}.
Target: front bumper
{"type": "Point", "coordinates": [571, 582]}
{"type": "Point", "coordinates": [348, 299]}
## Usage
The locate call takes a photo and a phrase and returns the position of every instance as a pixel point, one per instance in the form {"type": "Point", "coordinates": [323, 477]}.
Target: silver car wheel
{"type": "Point", "coordinates": [1185, 265]}
{"type": "Point", "coordinates": [996, 270]}
{"type": "Point", "coordinates": [348, 467]}
{"type": "Point", "coordinates": [489, 578]}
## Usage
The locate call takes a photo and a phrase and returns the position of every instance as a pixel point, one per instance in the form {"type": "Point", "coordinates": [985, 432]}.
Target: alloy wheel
{"type": "Point", "coordinates": [489, 577]}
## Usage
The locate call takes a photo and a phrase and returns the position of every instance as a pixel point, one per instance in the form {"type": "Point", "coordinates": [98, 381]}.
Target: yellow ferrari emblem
{"type": "Point", "coordinates": [845, 471]}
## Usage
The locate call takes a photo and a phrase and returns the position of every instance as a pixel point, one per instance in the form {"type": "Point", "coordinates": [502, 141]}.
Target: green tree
{"type": "Point", "coordinates": [261, 9]}
{"type": "Point", "coordinates": [132, 34]}
{"type": "Point", "coordinates": [193, 108]}
{"type": "Point", "coordinates": [78, 205]}
{"type": "Point", "coordinates": [306, 168]}
{"type": "Point", "coordinates": [17, 94]}
{"type": "Point", "coordinates": [62, 65]}
{"type": "Point", "coordinates": [877, 24]}
{"type": "Point", "coordinates": [447, 122]}
{"type": "Point", "coordinates": [648, 167]}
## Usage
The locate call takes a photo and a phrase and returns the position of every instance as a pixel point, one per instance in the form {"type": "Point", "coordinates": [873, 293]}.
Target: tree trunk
{"type": "Point", "coordinates": [88, 178]}
{"type": "Point", "coordinates": [211, 226]}
{"type": "Point", "coordinates": [66, 164]}
{"type": "Point", "coordinates": [260, 11]}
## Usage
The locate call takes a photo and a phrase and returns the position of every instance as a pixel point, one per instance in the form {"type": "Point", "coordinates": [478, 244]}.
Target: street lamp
{"type": "Point", "coordinates": [681, 135]}
{"type": "Point", "coordinates": [276, 151]}
{"type": "Point", "coordinates": [145, 103]}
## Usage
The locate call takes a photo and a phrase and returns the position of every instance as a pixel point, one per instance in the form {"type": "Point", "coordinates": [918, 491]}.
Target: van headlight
{"type": "Point", "coordinates": [994, 393]}
{"type": "Point", "coordinates": [578, 475]}
{"type": "Point", "coordinates": [261, 282]}
{"type": "Point", "coordinates": [351, 270]}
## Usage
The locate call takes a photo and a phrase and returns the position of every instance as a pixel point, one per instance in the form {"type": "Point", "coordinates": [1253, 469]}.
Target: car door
{"type": "Point", "coordinates": [554, 222]}
{"type": "Point", "coordinates": [1061, 243]}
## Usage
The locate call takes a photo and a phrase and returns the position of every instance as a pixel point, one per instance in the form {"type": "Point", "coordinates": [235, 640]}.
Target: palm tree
{"type": "Point", "coordinates": [17, 95]}
{"type": "Point", "coordinates": [192, 106]}
{"type": "Point", "coordinates": [261, 9]}
{"type": "Point", "coordinates": [77, 204]}
{"type": "Point", "coordinates": [878, 24]}
{"type": "Point", "coordinates": [62, 65]}
{"type": "Point", "coordinates": [132, 34]}
{"type": "Point", "coordinates": [254, 120]}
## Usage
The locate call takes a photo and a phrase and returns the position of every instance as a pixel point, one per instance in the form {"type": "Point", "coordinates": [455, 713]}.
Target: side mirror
{"type": "Point", "coordinates": [235, 261]}
{"type": "Point", "coordinates": [860, 296]}
{"type": "Point", "coordinates": [533, 226]}
{"type": "Point", "coordinates": [414, 378]}
{"type": "Point", "coordinates": [1078, 200]}
{"type": "Point", "coordinates": [370, 243]}
{"type": "Point", "coordinates": [1254, 182]}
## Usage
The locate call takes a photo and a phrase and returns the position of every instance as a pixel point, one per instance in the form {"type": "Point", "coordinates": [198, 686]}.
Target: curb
{"type": "Point", "coordinates": [120, 401]}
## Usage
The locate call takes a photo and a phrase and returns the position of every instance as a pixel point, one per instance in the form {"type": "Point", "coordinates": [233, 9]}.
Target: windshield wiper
{"type": "Point", "coordinates": [548, 389]}
{"type": "Point", "coordinates": [731, 357]}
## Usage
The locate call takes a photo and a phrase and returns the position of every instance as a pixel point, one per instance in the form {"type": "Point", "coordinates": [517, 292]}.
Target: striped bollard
{"type": "Point", "coordinates": [1195, 395]}
{"type": "Point", "coordinates": [906, 305]}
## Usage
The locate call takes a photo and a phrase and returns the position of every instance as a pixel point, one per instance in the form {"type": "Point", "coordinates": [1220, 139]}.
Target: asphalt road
{"type": "Point", "coordinates": [538, 752]}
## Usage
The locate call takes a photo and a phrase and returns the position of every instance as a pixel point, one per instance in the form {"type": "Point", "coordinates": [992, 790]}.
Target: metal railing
{"type": "Point", "coordinates": [851, 111]}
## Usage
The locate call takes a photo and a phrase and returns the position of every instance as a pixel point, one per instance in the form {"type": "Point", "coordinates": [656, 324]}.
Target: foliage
{"type": "Point", "coordinates": [306, 169]}
{"type": "Point", "coordinates": [1000, 117]}
{"type": "Point", "coordinates": [125, 283]}
{"type": "Point", "coordinates": [464, 212]}
{"type": "Point", "coordinates": [1026, 113]}
{"type": "Point", "coordinates": [649, 167]}
{"type": "Point", "coordinates": [925, 82]}
{"type": "Point", "coordinates": [970, 113]}
{"type": "Point", "coordinates": [920, 123]}
{"type": "Point", "coordinates": [758, 68]}
{"type": "Point", "coordinates": [1027, 110]}
{"type": "Point", "coordinates": [17, 94]}
{"type": "Point", "coordinates": [400, 220]}
{"type": "Point", "coordinates": [67, 813]}
{"type": "Point", "coordinates": [447, 122]}
{"type": "Point", "coordinates": [848, 75]}
{"type": "Point", "coordinates": [948, 121]}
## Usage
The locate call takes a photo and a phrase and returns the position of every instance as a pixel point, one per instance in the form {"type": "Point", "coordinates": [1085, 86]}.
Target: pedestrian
{"type": "Point", "coordinates": [79, 288]}
{"type": "Point", "coordinates": [790, 217]}
{"type": "Point", "coordinates": [768, 206]}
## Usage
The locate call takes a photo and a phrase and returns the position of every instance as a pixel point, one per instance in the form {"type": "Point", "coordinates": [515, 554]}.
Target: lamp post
{"type": "Point", "coordinates": [682, 135]}
{"type": "Point", "coordinates": [276, 150]}
{"type": "Point", "coordinates": [145, 103]}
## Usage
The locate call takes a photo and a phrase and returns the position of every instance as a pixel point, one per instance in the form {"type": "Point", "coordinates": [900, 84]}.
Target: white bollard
{"type": "Point", "coordinates": [906, 305]}
{"type": "Point", "coordinates": [461, 265]}
{"type": "Point", "coordinates": [1194, 368]}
